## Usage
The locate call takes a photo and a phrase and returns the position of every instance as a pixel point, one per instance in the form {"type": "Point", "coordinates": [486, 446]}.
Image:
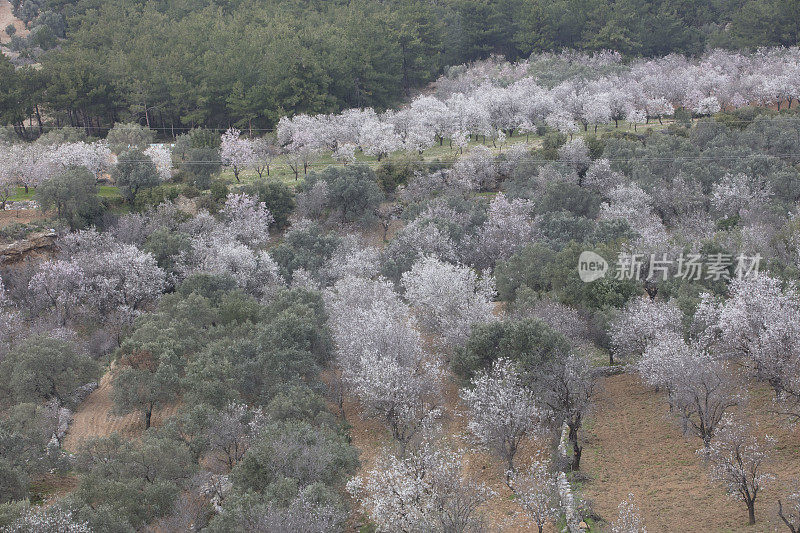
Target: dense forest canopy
{"type": "Point", "coordinates": [174, 64]}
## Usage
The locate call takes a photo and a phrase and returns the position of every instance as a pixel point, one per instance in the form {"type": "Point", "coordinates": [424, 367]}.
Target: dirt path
{"type": "Point", "coordinates": [94, 418]}
{"type": "Point", "coordinates": [634, 446]}
{"type": "Point", "coordinates": [6, 18]}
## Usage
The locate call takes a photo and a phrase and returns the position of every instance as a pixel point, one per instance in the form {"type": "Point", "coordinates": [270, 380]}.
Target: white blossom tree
{"type": "Point", "coordinates": [46, 520]}
{"type": "Point", "coordinates": [236, 152]}
{"type": "Point", "coordinates": [58, 285]}
{"type": "Point", "coordinates": [629, 517]}
{"type": "Point", "coordinates": [701, 389]}
{"type": "Point", "coordinates": [575, 153]}
{"type": "Point", "coordinates": [424, 491]}
{"type": "Point", "coordinates": [736, 459]}
{"type": "Point", "coordinates": [477, 167]}
{"type": "Point", "coordinates": [639, 322]}
{"type": "Point", "coordinates": [162, 159]}
{"type": "Point", "coordinates": [566, 387]}
{"type": "Point", "coordinates": [536, 491]}
{"type": "Point", "coordinates": [380, 356]}
{"type": "Point", "coordinates": [378, 138]}
{"type": "Point", "coordinates": [232, 431]}
{"type": "Point", "coordinates": [508, 228]}
{"type": "Point", "coordinates": [246, 220]}
{"type": "Point", "coordinates": [501, 410]}
{"type": "Point", "coordinates": [789, 511]}
{"type": "Point", "coordinates": [448, 299]}
{"type": "Point", "coordinates": [264, 154]}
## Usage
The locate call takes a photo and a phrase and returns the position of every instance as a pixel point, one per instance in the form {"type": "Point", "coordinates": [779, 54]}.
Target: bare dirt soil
{"type": "Point", "coordinates": [7, 17]}
{"type": "Point", "coordinates": [19, 216]}
{"type": "Point", "coordinates": [635, 446]}
{"type": "Point", "coordinates": [95, 418]}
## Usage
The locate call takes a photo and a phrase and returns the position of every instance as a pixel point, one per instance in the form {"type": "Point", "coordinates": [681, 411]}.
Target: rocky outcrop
{"type": "Point", "coordinates": [62, 416]}
{"type": "Point", "coordinates": [574, 523]}
{"type": "Point", "coordinates": [36, 243]}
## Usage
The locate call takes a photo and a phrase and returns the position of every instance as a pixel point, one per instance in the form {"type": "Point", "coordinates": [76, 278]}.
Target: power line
{"type": "Point", "coordinates": [698, 121]}
{"type": "Point", "coordinates": [520, 160]}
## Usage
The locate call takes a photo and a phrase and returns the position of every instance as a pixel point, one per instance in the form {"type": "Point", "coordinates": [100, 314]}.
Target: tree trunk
{"type": "Point", "coordinates": [790, 525]}
{"type": "Point", "coordinates": [148, 414]}
{"type": "Point", "coordinates": [576, 457]}
{"type": "Point", "coordinates": [39, 119]}
{"type": "Point", "coordinates": [751, 512]}
{"type": "Point", "coordinates": [576, 449]}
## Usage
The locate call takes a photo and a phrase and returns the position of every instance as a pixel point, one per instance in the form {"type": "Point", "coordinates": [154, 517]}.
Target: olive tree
{"type": "Point", "coordinates": [135, 171]}
{"type": "Point", "coordinates": [73, 195]}
{"type": "Point", "coordinates": [42, 368]}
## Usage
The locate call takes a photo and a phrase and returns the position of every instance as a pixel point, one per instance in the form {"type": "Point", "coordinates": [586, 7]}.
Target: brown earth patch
{"type": "Point", "coordinates": [9, 217]}
{"type": "Point", "coordinates": [95, 418]}
{"type": "Point", "coordinates": [371, 438]}
{"type": "Point", "coordinates": [7, 17]}
{"type": "Point", "coordinates": [634, 446]}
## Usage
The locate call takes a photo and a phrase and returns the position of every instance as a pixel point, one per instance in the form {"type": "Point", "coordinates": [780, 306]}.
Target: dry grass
{"type": "Point", "coordinates": [634, 446]}
{"type": "Point", "coordinates": [95, 418]}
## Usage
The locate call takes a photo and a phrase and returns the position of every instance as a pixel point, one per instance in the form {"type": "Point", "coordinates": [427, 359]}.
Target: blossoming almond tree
{"type": "Point", "coordinates": [236, 152]}
{"type": "Point", "coordinates": [536, 491]}
{"type": "Point", "coordinates": [447, 299]}
{"type": "Point", "coordinates": [737, 459]}
{"type": "Point", "coordinates": [501, 410]}
{"type": "Point", "coordinates": [423, 491]}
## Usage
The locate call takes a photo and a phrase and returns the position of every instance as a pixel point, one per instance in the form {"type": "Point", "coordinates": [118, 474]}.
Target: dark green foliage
{"type": "Point", "coordinates": [218, 191]}
{"type": "Point", "coordinates": [392, 174]}
{"type": "Point", "coordinates": [529, 342]}
{"type": "Point", "coordinates": [73, 195]}
{"type": "Point", "coordinates": [166, 246]}
{"type": "Point", "coordinates": [551, 143]}
{"type": "Point", "coordinates": [528, 267]}
{"type": "Point", "coordinates": [201, 164]}
{"type": "Point", "coordinates": [209, 286]}
{"type": "Point", "coordinates": [211, 345]}
{"type": "Point", "coordinates": [308, 248]}
{"type": "Point", "coordinates": [133, 480]}
{"type": "Point", "coordinates": [595, 145]}
{"type": "Point", "coordinates": [575, 199]}
{"type": "Point", "coordinates": [297, 455]}
{"type": "Point", "coordinates": [175, 65]}
{"type": "Point", "coordinates": [41, 369]}
{"type": "Point", "coordinates": [559, 228]}
{"type": "Point", "coordinates": [298, 402]}
{"type": "Point", "coordinates": [25, 452]}
{"type": "Point", "coordinates": [13, 483]}
{"type": "Point", "coordinates": [204, 138]}
{"type": "Point", "coordinates": [353, 192]}
{"type": "Point", "coordinates": [605, 292]}
{"type": "Point", "coordinates": [159, 194]}
{"type": "Point", "coordinates": [134, 172]}
{"type": "Point", "coordinates": [130, 136]}
{"type": "Point", "coordinates": [278, 198]}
